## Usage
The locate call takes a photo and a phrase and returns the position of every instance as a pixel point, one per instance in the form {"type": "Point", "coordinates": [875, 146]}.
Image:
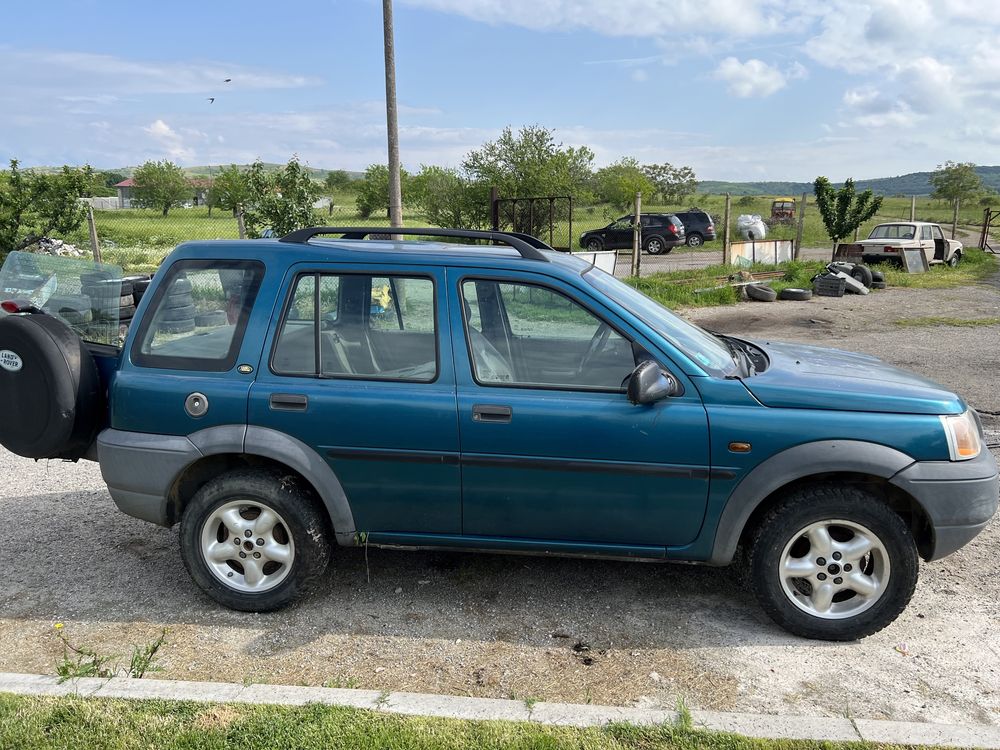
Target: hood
{"type": "Point", "coordinates": [813, 377]}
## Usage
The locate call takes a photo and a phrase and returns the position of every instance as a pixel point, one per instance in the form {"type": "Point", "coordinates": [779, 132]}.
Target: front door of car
{"type": "Point", "coordinates": [619, 234]}
{"type": "Point", "coordinates": [927, 242]}
{"type": "Point", "coordinates": [358, 366]}
{"type": "Point", "coordinates": [551, 447]}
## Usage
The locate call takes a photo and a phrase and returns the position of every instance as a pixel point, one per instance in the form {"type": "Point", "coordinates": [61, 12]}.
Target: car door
{"type": "Point", "coordinates": [940, 244]}
{"type": "Point", "coordinates": [551, 447]}
{"type": "Point", "coordinates": [927, 242]}
{"type": "Point", "coordinates": [619, 234]}
{"type": "Point", "coordinates": [359, 368]}
{"type": "Point", "coordinates": [182, 369]}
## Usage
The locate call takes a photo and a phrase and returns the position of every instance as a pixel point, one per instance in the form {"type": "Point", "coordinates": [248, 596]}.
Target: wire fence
{"type": "Point", "coordinates": [139, 239]}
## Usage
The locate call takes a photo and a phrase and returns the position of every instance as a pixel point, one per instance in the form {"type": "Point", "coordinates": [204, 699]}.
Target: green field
{"type": "Point", "coordinates": [89, 724]}
{"type": "Point", "coordinates": [139, 239]}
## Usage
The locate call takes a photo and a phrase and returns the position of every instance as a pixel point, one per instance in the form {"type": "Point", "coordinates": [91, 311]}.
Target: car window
{"type": "Point", "coordinates": [539, 337]}
{"type": "Point", "coordinates": [625, 222]}
{"type": "Point", "coordinates": [892, 232]}
{"type": "Point", "coordinates": [936, 231]}
{"type": "Point", "coordinates": [358, 326]}
{"type": "Point", "coordinates": [197, 319]}
{"type": "Point", "coordinates": [925, 233]}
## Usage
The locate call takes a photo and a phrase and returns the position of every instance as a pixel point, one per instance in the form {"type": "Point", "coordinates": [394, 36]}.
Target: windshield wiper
{"type": "Point", "coordinates": [739, 353]}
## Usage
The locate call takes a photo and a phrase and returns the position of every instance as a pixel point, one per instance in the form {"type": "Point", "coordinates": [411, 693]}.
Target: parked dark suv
{"type": "Point", "coordinates": [698, 227]}
{"type": "Point", "coordinates": [661, 233]}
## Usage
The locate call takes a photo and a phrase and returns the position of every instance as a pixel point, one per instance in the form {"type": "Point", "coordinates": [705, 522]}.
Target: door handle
{"type": "Point", "coordinates": [288, 402]}
{"type": "Point", "coordinates": [492, 413]}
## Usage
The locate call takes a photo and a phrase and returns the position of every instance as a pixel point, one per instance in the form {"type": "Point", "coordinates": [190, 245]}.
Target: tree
{"type": "Point", "coordinates": [229, 189]}
{"type": "Point", "coordinates": [673, 184]}
{"type": "Point", "coordinates": [337, 181]}
{"type": "Point", "coordinates": [280, 201]}
{"type": "Point", "coordinates": [160, 184]}
{"type": "Point", "coordinates": [449, 199]}
{"type": "Point", "coordinates": [373, 190]}
{"type": "Point", "coordinates": [618, 183]}
{"type": "Point", "coordinates": [955, 181]}
{"type": "Point", "coordinates": [530, 164]}
{"type": "Point", "coordinates": [112, 178]}
{"type": "Point", "coordinates": [844, 210]}
{"type": "Point", "coordinates": [33, 206]}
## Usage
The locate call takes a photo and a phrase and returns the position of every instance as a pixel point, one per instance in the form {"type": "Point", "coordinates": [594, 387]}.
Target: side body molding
{"type": "Point", "coordinates": [849, 456]}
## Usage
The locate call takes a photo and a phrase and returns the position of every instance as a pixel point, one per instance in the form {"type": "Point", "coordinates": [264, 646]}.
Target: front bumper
{"type": "Point", "coordinates": [959, 497]}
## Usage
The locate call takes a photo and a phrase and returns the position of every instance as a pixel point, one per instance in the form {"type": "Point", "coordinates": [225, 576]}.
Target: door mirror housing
{"type": "Point", "coordinates": [649, 384]}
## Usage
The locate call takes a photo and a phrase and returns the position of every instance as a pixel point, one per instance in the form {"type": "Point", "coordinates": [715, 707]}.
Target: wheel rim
{"type": "Point", "coordinates": [834, 569]}
{"type": "Point", "coordinates": [654, 247]}
{"type": "Point", "coordinates": [694, 240]}
{"type": "Point", "coordinates": [247, 546]}
{"type": "Point", "coordinates": [593, 246]}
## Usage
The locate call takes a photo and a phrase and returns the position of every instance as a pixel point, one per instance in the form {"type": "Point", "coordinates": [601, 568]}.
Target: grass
{"type": "Point", "coordinates": [976, 265]}
{"type": "Point", "coordinates": [41, 723]}
{"type": "Point", "coordinates": [945, 321]}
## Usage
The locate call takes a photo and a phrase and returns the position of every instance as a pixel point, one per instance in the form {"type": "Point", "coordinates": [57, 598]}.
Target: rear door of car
{"type": "Point", "coordinates": [358, 366]}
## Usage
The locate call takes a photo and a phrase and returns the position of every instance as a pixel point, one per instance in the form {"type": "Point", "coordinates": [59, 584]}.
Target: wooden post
{"type": "Point", "coordinates": [495, 208]}
{"type": "Point", "coordinates": [240, 225]}
{"type": "Point", "coordinates": [913, 208]}
{"type": "Point", "coordinates": [727, 248]}
{"type": "Point", "coordinates": [798, 229]}
{"type": "Point", "coordinates": [856, 230]}
{"type": "Point", "coordinates": [637, 234]}
{"type": "Point", "coordinates": [95, 245]}
{"type": "Point", "coordinates": [954, 219]}
{"type": "Point", "coordinates": [392, 120]}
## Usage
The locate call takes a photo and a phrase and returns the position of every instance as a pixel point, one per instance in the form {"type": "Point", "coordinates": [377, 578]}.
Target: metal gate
{"type": "Point", "coordinates": [991, 220]}
{"type": "Point", "coordinates": [547, 217]}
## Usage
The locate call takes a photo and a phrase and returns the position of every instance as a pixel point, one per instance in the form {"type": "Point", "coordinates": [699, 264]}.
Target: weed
{"type": "Point", "coordinates": [684, 721]}
{"type": "Point", "coordinates": [83, 661]}
{"type": "Point", "coordinates": [529, 703]}
{"type": "Point", "coordinates": [350, 683]}
{"type": "Point", "coordinates": [383, 699]}
{"type": "Point", "coordinates": [143, 657]}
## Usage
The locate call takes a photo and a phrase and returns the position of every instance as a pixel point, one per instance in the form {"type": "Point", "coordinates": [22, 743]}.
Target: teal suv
{"type": "Point", "coordinates": [341, 389]}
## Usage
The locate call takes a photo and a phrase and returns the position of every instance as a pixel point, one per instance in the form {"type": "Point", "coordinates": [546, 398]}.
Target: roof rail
{"type": "Point", "coordinates": [529, 247]}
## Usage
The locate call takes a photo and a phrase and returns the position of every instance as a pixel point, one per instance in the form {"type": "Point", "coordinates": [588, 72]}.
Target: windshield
{"type": "Point", "coordinates": [698, 344]}
{"type": "Point", "coordinates": [892, 232]}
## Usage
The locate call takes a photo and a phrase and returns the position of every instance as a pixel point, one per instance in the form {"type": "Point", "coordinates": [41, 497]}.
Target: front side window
{"type": "Point", "coordinates": [528, 335]}
{"type": "Point", "coordinates": [925, 233]}
{"type": "Point", "coordinates": [358, 326]}
{"type": "Point", "coordinates": [197, 320]}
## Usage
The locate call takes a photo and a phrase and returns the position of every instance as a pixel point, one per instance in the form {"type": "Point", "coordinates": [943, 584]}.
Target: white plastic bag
{"type": "Point", "coordinates": [751, 227]}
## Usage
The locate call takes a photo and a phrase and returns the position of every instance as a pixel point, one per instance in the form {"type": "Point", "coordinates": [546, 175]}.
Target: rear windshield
{"type": "Point", "coordinates": [893, 232]}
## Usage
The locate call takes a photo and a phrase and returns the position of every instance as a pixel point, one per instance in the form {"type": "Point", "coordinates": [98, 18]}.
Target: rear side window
{"type": "Point", "coordinates": [358, 326]}
{"type": "Point", "coordinates": [925, 233]}
{"type": "Point", "coordinates": [199, 315]}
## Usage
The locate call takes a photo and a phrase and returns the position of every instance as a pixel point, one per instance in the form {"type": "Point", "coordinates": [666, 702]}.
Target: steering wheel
{"type": "Point", "coordinates": [597, 343]}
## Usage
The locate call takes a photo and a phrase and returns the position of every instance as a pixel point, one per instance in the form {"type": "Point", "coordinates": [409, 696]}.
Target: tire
{"type": "Point", "coordinates": [181, 285]}
{"type": "Point", "coordinates": [761, 293]}
{"type": "Point", "coordinates": [51, 399]}
{"type": "Point", "coordinates": [176, 326]}
{"type": "Point", "coordinates": [173, 301]}
{"type": "Point", "coordinates": [214, 318]}
{"type": "Point", "coordinates": [126, 313]}
{"type": "Point", "coordinates": [848, 513]}
{"type": "Point", "coordinates": [877, 276]}
{"type": "Point", "coordinates": [695, 239]}
{"type": "Point", "coordinates": [301, 534]}
{"type": "Point", "coordinates": [655, 245]}
{"type": "Point", "coordinates": [862, 274]}
{"type": "Point", "coordinates": [954, 260]}
{"type": "Point", "coordinates": [594, 245]}
{"type": "Point", "coordinates": [140, 285]}
{"type": "Point", "coordinates": [92, 278]}
{"type": "Point", "coordinates": [878, 285]}
{"type": "Point", "coordinates": [795, 294]}
{"type": "Point", "coordinates": [177, 313]}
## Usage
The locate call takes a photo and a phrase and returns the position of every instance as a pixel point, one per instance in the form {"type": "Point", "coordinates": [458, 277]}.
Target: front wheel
{"type": "Point", "coordinates": [252, 538]}
{"type": "Point", "coordinates": [954, 260]}
{"type": "Point", "coordinates": [833, 562]}
{"type": "Point", "coordinates": [695, 240]}
{"type": "Point", "coordinates": [594, 245]}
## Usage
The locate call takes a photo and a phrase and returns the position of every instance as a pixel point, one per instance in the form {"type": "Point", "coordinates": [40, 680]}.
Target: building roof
{"type": "Point", "coordinates": [125, 183]}
{"type": "Point", "coordinates": [196, 182]}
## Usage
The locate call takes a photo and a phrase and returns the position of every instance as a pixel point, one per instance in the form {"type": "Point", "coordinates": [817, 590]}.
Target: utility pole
{"type": "Point", "coordinates": [392, 121]}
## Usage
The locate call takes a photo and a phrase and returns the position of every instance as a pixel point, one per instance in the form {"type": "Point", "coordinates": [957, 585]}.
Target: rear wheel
{"type": "Point", "coordinates": [695, 239]}
{"type": "Point", "coordinates": [655, 246]}
{"type": "Point", "coordinates": [252, 538]}
{"type": "Point", "coordinates": [833, 563]}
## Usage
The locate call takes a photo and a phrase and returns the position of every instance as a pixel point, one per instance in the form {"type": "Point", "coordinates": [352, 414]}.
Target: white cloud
{"type": "Point", "coordinates": [753, 78]}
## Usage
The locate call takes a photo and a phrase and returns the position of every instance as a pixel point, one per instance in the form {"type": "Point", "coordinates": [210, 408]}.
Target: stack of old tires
{"type": "Point", "coordinates": [113, 300]}
{"type": "Point", "coordinates": [177, 314]}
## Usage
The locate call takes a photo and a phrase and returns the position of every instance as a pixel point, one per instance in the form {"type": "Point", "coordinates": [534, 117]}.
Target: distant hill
{"type": "Point", "coordinates": [210, 170]}
{"type": "Point", "coordinates": [914, 183]}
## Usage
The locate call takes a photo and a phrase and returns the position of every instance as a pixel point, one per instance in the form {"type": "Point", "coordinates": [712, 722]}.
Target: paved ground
{"type": "Point", "coordinates": [558, 630]}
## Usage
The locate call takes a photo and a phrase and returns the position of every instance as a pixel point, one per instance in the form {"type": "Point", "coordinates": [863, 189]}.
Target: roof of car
{"type": "Point", "coordinates": [389, 252]}
{"type": "Point", "coordinates": [908, 222]}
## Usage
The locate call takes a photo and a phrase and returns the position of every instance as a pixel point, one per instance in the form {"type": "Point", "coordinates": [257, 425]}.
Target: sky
{"type": "Point", "coordinates": [737, 89]}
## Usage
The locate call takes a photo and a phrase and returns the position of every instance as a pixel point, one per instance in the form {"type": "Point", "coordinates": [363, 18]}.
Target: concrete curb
{"type": "Point", "coordinates": [560, 714]}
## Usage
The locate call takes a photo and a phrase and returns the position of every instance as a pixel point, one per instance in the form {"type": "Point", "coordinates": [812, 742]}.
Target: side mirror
{"type": "Point", "coordinates": [648, 384]}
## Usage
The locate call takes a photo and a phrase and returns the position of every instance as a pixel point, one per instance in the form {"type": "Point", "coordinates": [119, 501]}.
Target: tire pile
{"type": "Point", "coordinates": [838, 278]}
{"type": "Point", "coordinates": [112, 300]}
{"type": "Point", "coordinates": [177, 313]}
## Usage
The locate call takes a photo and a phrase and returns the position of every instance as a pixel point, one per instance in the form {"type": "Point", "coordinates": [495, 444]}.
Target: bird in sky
{"type": "Point", "coordinates": [228, 80]}
{"type": "Point", "coordinates": [211, 99]}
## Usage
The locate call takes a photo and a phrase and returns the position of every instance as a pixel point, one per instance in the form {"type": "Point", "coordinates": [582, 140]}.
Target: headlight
{"type": "Point", "coordinates": [962, 432]}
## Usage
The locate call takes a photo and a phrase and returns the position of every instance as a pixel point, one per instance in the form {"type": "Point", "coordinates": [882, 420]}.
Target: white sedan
{"type": "Point", "coordinates": [886, 243]}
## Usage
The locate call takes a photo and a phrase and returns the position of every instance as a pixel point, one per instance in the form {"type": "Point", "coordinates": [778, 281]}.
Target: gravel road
{"type": "Point", "coordinates": [532, 628]}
